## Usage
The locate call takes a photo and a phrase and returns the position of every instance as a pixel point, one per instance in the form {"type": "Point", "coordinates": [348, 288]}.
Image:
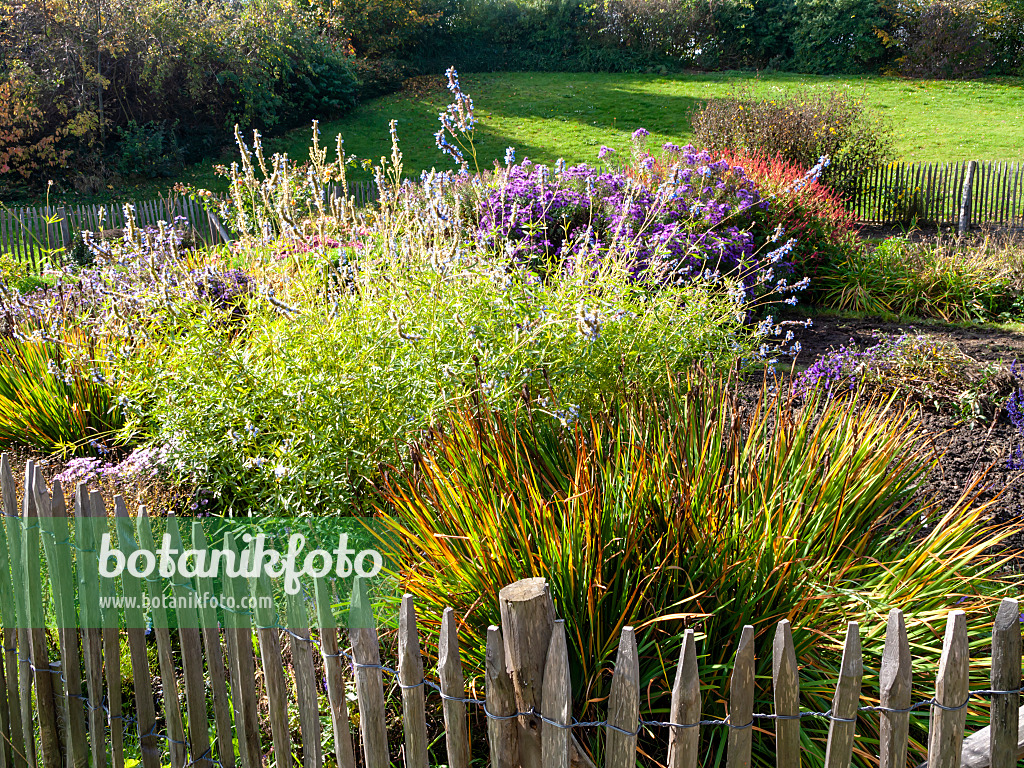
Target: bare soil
{"type": "Point", "coordinates": [970, 455]}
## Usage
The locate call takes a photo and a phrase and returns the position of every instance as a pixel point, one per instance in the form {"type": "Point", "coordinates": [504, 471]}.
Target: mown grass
{"type": "Point", "coordinates": [547, 116]}
{"type": "Point", "coordinates": [550, 115]}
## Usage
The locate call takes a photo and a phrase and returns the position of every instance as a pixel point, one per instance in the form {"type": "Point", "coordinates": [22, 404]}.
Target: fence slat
{"type": "Point", "coordinates": [786, 685]}
{"type": "Point", "coordinates": [305, 680]}
{"type": "Point", "coordinates": [1006, 658]}
{"type": "Point", "coordinates": [273, 667]}
{"type": "Point", "coordinates": [946, 733]}
{"type": "Point", "coordinates": [57, 548]}
{"type": "Point", "coordinates": [241, 665]}
{"type": "Point", "coordinates": [191, 660]}
{"type": "Point", "coordinates": [111, 651]}
{"type": "Point", "coordinates": [46, 709]}
{"type": "Point", "coordinates": [165, 659]}
{"type": "Point", "coordinates": [410, 674]}
{"type": "Point", "coordinates": [841, 731]}
{"type": "Point", "coordinates": [89, 616]}
{"type": "Point", "coordinates": [556, 698]}
{"type": "Point", "coordinates": [14, 749]}
{"type": "Point", "coordinates": [336, 698]}
{"type": "Point", "coordinates": [502, 735]}
{"type": "Point", "coordinates": [895, 682]}
{"type": "Point", "coordinates": [135, 621]}
{"type": "Point", "coordinates": [453, 687]}
{"type": "Point", "coordinates": [683, 742]}
{"type": "Point", "coordinates": [15, 536]}
{"type": "Point", "coordinates": [623, 704]}
{"type": "Point", "coordinates": [741, 702]}
{"type": "Point", "coordinates": [214, 657]}
{"type": "Point", "coordinates": [369, 678]}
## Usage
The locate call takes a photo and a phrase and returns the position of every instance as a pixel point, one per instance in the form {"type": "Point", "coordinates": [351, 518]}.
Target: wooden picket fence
{"type": "Point", "coordinates": [958, 194]}
{"type": "Point", "coordinates": [52, 715]}
{"type": "Point", "coordinates": [33, 235]}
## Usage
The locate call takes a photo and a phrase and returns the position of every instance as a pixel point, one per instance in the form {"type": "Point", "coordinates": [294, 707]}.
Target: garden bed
{"type": "Point", "coordinates": [965, 448]}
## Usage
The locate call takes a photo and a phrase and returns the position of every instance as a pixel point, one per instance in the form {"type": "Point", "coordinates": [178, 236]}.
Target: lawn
{"type": "Point", "coordinates": [550, 115]}
{"type": "Point", "coordinates": [546, 116]}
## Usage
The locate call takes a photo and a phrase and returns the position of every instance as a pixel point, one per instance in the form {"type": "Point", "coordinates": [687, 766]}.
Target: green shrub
{"type": "Point", "coordinates": [197, 65]}
{"type": "Point", "coordinates": [688, 508]}
{"type": "Point", "coordinates": [799, 128]}
{"type": "Point", "coordinates": [954, 38]}
{"type": "Point", "coordinates": [291, 413]}
{"type": "Point", "coordinates": [836, 36]}
{"type": "Point", "coordinates": [149, 150]}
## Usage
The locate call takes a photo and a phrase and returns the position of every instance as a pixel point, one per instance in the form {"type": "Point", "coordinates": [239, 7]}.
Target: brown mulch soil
{"type": "Point", "coordinates": [967, 452]}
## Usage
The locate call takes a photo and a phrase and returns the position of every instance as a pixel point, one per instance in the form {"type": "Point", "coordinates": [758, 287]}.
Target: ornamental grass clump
{"type": "Point", "coordinates": [691, 508]}
{"type": "Point", "coordinates": [57, 394]}
{"type": "Point", "coordinates": [949, 279]}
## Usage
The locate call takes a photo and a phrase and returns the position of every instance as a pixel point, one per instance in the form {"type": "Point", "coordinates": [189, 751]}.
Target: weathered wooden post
{"type": "Point", "coordinates": [527, 619]}
{"type": "Point", "coordinates": [966, 197]}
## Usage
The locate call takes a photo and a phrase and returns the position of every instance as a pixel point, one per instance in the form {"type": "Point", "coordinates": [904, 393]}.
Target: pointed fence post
{"type": "Point", "coordinates": [623, 705]}
{"type": "Point", "coordinates": [453, 688]}
{"type": "Point", "coordinates": [210, 627]}
{"type": "Point", "coordinates": [1006, 658]}
{"type": "Point", "coordinates": [895, 682]}
{"type": "Point", "coordinates": [37, 502]}
{"type": "Point", "coordinates": [843, 728]}
{"type": "Point", "coordinates": [164, 652]}
{"type": "Point", "coordinates": [527, 619]}
{"type": "Point", "coordinates": [741, 702]}
{"type": "Point", "coordinates": [410, 675]}
{"type": "Point", "coordinates": [135, 628]}
{"type": "Point", "coordinates": [502, 730]}
{"type": "Point", "coordinates": [786, 685]}
{"type": "Point", "coordinates": [297, 618]}
{"type": "Point", "coordinates": [268, 630]}
{"type": "Point", "coordinates": [10, 721]}
{"type": "Point", "coordinates": [89, 616]}
{"type": "Point", "coordinates": [334, 672]}
{"type": "Point", "coordinates": [59, 563]}
{"type": "Point", "coordinates": [556, 702]}
{"type": "Point", "coordinates": [369, 677]}
{"type": "Point", "coordinates": [22, 705]}
{"type": "Point", "coordinates": [966, 196]}
{"type": "Point", "coordinates": [191, 643]}
{"type": "Point", "coordinates": [948, 713]}
{"type": "Point", "coordinates": [683, 742]}
{"type": "Point", "coordinates": [242, 663]}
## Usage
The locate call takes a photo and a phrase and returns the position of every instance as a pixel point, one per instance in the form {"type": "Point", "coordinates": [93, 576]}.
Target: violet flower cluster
{"type": "Point", "coordinates": [457, 119]}
{"type": "Point", "coordinates": [1015, 412]}
{"type": "Point", "coordinates": [840, 371]}
{"type": "Point", "coordinates": [673, 224]}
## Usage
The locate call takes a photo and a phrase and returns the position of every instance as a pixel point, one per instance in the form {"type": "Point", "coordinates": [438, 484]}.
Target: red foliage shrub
{"type": "Point", "coordinates": [813, 214]}
{"type": "Point", "coordinates": [28, 144]}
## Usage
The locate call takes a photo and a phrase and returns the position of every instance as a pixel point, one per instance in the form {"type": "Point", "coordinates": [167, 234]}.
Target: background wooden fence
{"type": "Point", "coordinates": [61, 698]}
{"type": "Point", "coordinates": [956, 194]}
{"type": "Point", "coordinates": [35, 234]}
